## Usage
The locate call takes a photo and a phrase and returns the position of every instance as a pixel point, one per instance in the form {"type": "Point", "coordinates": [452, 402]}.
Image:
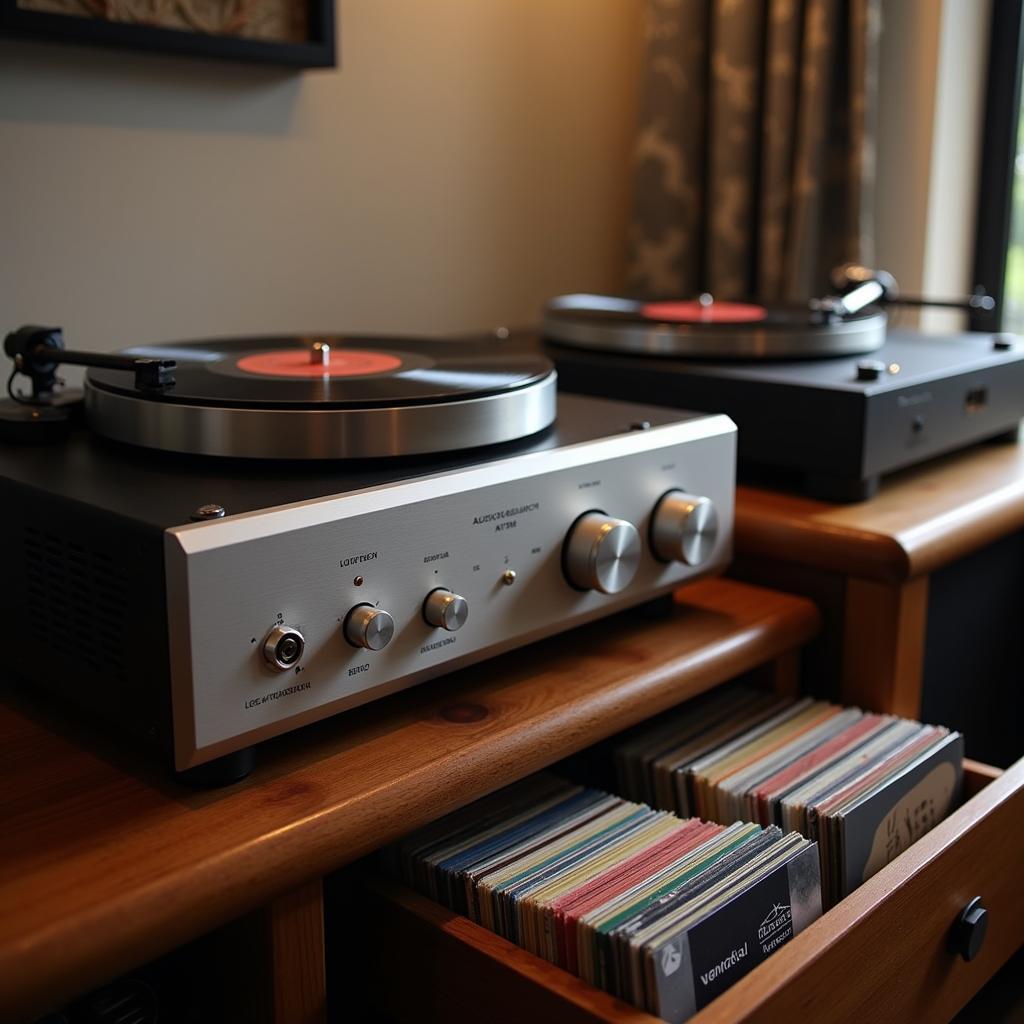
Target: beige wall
{"type": "Point", "coordinates": [468, 159]}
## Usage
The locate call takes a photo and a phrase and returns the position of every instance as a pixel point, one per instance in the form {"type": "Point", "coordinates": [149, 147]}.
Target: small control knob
{"type": "Point", "coordinates": [870, 369]}
{"type": "Point", "coordinates": [283, 647]}
{"type": "Point", "coordinates": [445, 610]}
{"type": "Point", "coordinates": [369, 627]}
{"type": "Point", "coordinates": [684, 528]}
{"type": "Point", "coordinates": [601, 553]}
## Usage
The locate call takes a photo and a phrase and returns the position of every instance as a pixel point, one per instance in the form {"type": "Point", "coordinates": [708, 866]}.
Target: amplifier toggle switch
{"type": "Point", "coordinates": [369, 627]}
{"type": "Point", "coordinates": [684, 528]}
{"type": "Point", "coordinates": [445, 610]}
{"type": "Point", "coordinates": [601, 553]}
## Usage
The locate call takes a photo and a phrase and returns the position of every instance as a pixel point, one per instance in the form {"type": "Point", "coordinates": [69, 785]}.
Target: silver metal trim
{"type": "Point", "coordinates": [323, 433]}
{"type": "Point", "coordinates": [747, 341]}
{"type": "Point", "coordinates": [192, 538]}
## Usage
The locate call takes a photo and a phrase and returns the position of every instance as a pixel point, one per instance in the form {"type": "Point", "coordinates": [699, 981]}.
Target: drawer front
{"type": "Point", "coordinates": [881, 955]}
{"type": "Point", "coordinates": [455, 971]}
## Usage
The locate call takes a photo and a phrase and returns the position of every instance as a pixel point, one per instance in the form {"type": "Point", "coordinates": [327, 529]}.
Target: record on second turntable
{"type": "Point", "coordinates": [327, 397]}
{"type": "Point", "coordinates": [708, 328]}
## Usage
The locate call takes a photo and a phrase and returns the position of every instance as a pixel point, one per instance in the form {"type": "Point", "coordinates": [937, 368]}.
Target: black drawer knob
{"type": "Point", "coordinates": [969, 931]}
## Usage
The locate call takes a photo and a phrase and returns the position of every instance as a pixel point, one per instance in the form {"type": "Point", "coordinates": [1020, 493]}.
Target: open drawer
{"type": "Point", "coordinates": [882, 954]}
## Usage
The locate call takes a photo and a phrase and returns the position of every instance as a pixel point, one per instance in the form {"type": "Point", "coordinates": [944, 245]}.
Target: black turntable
{"type": "Point", "coordinates": [248, 535]}
{"type": "Point", "coordinates": [826, 396]}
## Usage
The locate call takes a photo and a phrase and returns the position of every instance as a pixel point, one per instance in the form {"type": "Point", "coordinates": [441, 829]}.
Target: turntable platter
{"type": "Point", "coordinates": [707, 329]}
{"type": "Point", "coordinates": [327, 397]}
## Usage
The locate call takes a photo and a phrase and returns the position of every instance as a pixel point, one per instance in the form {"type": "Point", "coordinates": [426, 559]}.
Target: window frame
{"type": "Point", "coordinates": [999, 150]}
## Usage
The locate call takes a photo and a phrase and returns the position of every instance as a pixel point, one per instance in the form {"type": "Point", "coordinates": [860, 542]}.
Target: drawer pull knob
{"type": "Point", "coordinates": [969, 931]}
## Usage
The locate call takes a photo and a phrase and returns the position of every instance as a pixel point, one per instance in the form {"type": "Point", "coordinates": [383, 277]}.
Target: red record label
{"type": "Point", "coordinates": [693, 312]}
{"type": "Point", "coordinates": [297, 362]}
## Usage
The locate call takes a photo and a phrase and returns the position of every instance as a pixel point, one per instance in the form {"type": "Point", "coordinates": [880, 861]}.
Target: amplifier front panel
{"type": "Point", "coordinates": [493, 535]}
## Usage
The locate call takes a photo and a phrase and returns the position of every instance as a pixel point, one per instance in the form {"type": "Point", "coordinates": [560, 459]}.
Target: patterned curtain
{"type": "Point", "coordinates": [755, 147]}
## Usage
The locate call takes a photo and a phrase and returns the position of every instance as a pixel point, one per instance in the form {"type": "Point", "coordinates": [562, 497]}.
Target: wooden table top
{"type": "Point", "coordinates": [105, 864]}
{"type": "Point", "coordinates": [921, 519]}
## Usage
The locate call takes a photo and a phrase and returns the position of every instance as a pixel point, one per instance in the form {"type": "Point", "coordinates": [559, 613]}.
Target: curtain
{"type": "Point", "coordinates": [754, 151]}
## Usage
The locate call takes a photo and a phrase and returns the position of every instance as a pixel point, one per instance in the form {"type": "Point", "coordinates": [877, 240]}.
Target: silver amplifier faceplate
{"type": "Point", "coordinates": [493, 534]}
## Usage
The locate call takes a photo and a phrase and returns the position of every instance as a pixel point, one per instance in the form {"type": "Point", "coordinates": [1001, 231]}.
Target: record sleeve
{"type": "Point", "coordinates": [689, 969]}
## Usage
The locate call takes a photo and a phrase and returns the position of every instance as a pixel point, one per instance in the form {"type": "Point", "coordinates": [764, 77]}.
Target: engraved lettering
{"type": "Point", "coordinates": [506, 513]}
{"type": "Point", "coordinates": [369, 556]}
{"type": "Point", "coordinates": [277, 694]}
{"type": "Point", "coordinates": [435, 558]}
{"type": "Point", "coordinates": [356, 669]}
{"type": "Point", "coordinates": [509, 525]}
{"type": "Point", "coordinates": [426, 648]}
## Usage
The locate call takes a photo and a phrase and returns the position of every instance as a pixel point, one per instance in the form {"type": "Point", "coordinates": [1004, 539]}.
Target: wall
{"type": "Point", "coordinates": [467, 160]}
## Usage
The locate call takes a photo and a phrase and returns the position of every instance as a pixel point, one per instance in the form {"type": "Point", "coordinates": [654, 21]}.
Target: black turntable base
{"type": "Point", "coordinates": [831, 426]}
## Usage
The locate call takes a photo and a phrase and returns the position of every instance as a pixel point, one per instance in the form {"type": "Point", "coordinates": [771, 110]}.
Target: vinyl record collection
{"type": "Point", "coordinates": [662, 912]}
{"type": "Point", "coordinates": [863, 786]}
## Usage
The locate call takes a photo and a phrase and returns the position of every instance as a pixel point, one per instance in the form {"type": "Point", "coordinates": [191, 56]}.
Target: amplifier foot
{"type": "Point", "coordinates": [222, 771]}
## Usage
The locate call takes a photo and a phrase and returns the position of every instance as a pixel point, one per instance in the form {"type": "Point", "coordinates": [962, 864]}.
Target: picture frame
{"type": "Point", "coordinates": [317, 50]}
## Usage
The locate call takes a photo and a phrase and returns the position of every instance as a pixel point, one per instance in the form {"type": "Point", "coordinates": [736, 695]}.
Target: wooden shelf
{"type": "Point", "coordinates": [920, 520]}
{"type": "Point", "coordinates": [105, 864]}
{"type": "Point", "coordinates": [868, 566]}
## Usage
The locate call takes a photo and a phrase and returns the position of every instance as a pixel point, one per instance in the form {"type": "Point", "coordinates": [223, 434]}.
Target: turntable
{"type": "Point", "coordinates": [248, 535]}
{"type": "Point", "coordinates": [826, 396]}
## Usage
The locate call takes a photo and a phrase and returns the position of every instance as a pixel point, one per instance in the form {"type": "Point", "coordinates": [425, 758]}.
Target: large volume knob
{"type": "Point", "coordinates": [369, 627]}
{"type": "Point", "coordinates": [684, 528]}
{"type": "Point", "coordinates": [601, 553]}
{"type": "Point", "coordinates": [445, 610]}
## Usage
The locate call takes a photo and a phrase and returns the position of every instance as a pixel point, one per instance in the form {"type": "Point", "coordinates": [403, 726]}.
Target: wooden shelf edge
{"type": "Point", "coordinates": [190, 864]}
{"type": "Point", "coordinates": [795, 538]}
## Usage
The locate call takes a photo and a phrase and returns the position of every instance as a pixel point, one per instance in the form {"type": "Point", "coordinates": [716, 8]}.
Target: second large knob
{"type": "Point", "coordinates": [684, 528]}
{"type": "Point", "coordinates": [601, 553]}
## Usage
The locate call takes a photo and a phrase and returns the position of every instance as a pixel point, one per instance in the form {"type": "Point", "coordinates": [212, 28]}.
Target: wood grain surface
{"type": "Point", "coordinates": [883, 645]}
{"type": "Point", "coordinates": [920, 520]}
{"type": "Point", "coordinates": [456, 971]}
{"type": "Point", "coordinates": [104, 863]}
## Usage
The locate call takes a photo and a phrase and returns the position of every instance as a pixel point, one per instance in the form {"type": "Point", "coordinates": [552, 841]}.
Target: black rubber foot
{"type": "Point", "coordinates": [829, 488]}
{"type": "Point", "coordinates": [222, 771]}
{"type": "Point", "coordinates": [1011, 436]}
{"type": "Point", "coordinates": [658, 607]}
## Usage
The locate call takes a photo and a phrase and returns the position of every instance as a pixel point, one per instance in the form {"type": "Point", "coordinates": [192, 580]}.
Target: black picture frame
{"type": "Point", "coordinates": [317, 51]}
{"type": "Point", "coordinates": [999, 148]}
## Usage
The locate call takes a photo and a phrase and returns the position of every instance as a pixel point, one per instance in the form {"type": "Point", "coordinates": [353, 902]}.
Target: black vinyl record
{"type": "Point", "coordinates": [708, 329]}
{"type": "Point", "coordinates": [704, 314]}
{"type": "Point", "coordinates": [357, 372]}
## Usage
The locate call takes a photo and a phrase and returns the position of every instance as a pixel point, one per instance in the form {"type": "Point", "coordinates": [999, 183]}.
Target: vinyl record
{"type": "Point", "coordinates": [356, 371]}
{"type": "Point", "coordinates": [327, 396]}
{"type": "Point", "coordinates": [705, 328]}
